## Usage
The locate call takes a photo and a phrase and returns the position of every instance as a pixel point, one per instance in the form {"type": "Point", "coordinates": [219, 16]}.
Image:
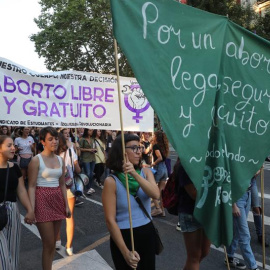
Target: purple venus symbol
{"type": "Point", "coordinates": [135, 101]}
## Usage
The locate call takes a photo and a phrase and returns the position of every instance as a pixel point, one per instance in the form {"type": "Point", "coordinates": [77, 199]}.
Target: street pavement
{"type": "Point", "coordinates": [91, 241]}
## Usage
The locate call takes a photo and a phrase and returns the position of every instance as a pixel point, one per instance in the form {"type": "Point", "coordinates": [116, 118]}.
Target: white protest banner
{"type": "Point", "coordinates": [70, 99]}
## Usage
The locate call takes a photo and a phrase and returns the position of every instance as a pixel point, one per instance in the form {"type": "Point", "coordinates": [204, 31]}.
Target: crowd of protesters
{"type": "Point", "coordinates": [41, 158]}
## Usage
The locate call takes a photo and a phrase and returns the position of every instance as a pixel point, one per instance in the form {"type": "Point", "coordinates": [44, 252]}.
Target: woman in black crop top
{"type": "Point", "coordinates": [10, 235]}
{"type": "Point", "coordinates": [160, 153]}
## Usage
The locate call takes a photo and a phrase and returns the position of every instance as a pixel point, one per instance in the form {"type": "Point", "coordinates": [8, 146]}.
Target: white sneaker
{"type": "Point", "coordinates": [58, 245]}
{"type": "Point", "coordinates": [178, 227]}
{"type": "Point", "coordinates": [90, 191]}
{"type": "Point", "coordinates": [69, 251]}
{"type": "Point", "coordinates": [235, 263]}
{"type": "Point", "coordinates": [100, 185]}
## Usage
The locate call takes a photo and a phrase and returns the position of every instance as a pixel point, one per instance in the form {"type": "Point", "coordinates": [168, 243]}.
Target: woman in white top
{"type": "Point", "coordinates": [25, 147]}
{"type": "Point", "coordinates": [47, 193]}
{"type": "Point", "coordinates": [74, 145]}
{"type": "Point", "coordinates": [71, 164]}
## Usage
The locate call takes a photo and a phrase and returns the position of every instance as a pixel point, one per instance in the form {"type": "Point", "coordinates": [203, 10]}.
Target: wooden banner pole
{"type": "Point", "coordinates": [226, 257]}
{"type": "Point", "coordinates": [123, 142]}
{"type": "Point", "coordinates": [262, 207]}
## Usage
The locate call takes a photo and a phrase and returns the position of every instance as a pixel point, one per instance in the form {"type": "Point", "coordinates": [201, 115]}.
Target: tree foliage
{"type": "Point", "coordinates": [242, 15]}
{"type": "Point", "coordinates": [77, 34]}
{"type": "Point", "coordinates": [262, 27]}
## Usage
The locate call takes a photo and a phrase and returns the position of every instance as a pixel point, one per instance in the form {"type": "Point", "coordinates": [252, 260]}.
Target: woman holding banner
{"type": "Point", "coordinates": [114, 199]}
{"type": "Point", "coordinates": [47, 193]}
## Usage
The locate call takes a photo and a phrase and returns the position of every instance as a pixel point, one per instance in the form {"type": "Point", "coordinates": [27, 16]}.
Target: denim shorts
{"type": "Point", "coordinates": [188, 223]}
{"type": "Point", "coordinates": [161, 172]}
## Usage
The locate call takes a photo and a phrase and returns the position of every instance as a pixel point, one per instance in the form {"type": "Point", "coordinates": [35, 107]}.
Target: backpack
{"type": "Point", "coordinates": [169, 196]}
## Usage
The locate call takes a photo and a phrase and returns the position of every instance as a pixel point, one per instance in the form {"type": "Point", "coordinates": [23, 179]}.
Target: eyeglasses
{"type": "Point", "coordinates": [136, 148]}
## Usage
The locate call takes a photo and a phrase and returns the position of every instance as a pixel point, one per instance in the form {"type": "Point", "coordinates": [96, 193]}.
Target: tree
{"type": "Point", "coordinates": [262, 26]}
{"type": "Point", "coordinates": [242, 15]}
{"type": "Point", "coordinates": [77, 35]}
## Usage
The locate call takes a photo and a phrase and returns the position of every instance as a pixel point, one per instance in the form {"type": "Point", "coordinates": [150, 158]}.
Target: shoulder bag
{"type": "Point", "coordinates": [169, 196]}
{"type": "Point", "coordinates": [82, 154]}
{"type": "Point", "coordinates": [77, 182]}
{"type": "Point", "coordinates": [158, 242]}
{"type": "Point", "coordinates": [101, 147]}
{"type": "Point", "coordinates": [3, 208]}
{"type": "Point", "coordinates": [68, 179]}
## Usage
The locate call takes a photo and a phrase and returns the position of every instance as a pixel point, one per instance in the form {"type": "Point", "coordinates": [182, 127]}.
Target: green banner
{"type": "Point", "coordinates": [208, 79]}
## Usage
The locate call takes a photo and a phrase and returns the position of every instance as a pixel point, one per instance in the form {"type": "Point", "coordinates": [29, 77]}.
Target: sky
{"type": "Point", "coordinates": [16, 25]}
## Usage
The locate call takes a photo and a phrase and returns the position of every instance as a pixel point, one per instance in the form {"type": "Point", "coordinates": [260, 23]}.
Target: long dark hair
{"type": "Point", "coordinates": [73, 139]}
{"type": "Point", "coordinates": [162, 141]}
{"type": "Point", "coordinates": [21, 131]}
{"type": "Point", "coordinates": [102, 135]}
{"type": "Point", "coordinates": [8, 131]}
{"type": "Point", "coordinates": [85, 133]}
{"type": "Point", "coordinates": [115, 155]}
{"type": "Point", "coordinates": [3, 138]}
{"type": "Point", "coordinates": [62, 146]}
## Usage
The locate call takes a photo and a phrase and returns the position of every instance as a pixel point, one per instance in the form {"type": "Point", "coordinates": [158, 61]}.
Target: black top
{"type": "Point", "coordinates": [156, 147]}
{"type": "Point", "coordinates": [146, 157]}
{"type": "Point", "coordinates": [14, 175]}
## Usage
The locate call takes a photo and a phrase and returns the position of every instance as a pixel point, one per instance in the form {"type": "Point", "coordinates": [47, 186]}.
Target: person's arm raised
{"type": "Point", "coordinates": [148, 185]}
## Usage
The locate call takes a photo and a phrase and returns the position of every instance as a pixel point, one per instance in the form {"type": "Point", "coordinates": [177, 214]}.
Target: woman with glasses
{"type": "Point", "coordinates": [114, 199]}
{"type": "Point", "coordinates": [160, 151]}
